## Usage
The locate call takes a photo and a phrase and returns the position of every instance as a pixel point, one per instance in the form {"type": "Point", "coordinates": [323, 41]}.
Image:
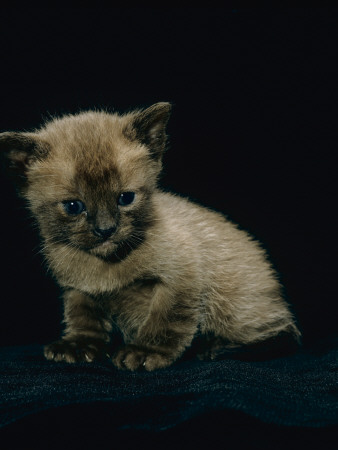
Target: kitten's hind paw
{"type": "Point", "coordinates": [134, 357]}
{"type": "Point", "coordinates": [74, 351]}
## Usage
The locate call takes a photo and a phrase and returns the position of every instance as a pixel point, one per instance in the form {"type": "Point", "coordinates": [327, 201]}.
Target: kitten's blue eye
{"type": "Point", "coordinates": [126, 198]}
{"type": "Point", "coordinates": [74, 207]}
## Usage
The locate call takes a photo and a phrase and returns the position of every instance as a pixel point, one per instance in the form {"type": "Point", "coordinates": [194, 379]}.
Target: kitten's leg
{"type": "Point", "coordinates": [163, 337]}
{"type": "Point", "coordinates": [87, 332]}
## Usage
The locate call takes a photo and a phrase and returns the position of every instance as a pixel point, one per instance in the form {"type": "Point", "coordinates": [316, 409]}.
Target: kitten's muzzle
{"type": "Point", "coordinates": [104, 233]}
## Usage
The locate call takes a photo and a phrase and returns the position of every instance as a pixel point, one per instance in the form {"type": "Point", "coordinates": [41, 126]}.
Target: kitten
{"type": "Point", "coordinates": [129, 257]}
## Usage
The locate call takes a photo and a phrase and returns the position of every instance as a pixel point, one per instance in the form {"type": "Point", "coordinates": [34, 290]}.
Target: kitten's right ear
{"type": "Point", "coordinates": [19, 150]}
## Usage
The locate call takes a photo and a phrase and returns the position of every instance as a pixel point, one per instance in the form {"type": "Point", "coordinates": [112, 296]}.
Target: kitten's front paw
{"type": "Point", "coordinates": [134, 357]}
{"type": "Point", "coordinates": [73, 351]}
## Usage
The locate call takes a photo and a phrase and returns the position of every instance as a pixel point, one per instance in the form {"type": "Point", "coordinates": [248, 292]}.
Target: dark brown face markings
{"type": "Point", "coordinates": [99, 182]}
{"type": "Point", "coordinates": [97, 178]}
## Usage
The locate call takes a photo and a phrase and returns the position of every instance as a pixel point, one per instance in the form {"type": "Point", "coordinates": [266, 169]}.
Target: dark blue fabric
{"type": "Point", "coordinates": [299, 390]}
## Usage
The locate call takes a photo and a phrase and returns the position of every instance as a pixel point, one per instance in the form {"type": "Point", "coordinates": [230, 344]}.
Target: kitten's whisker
{"type": "Point", "coordinates": [63, 257]}
{"type": "Point", "coordinates": [117, 257]}
{"type": "Point", "coordinates": [71, 259]}
{"type": "Point", "coordinates": [46, 176]}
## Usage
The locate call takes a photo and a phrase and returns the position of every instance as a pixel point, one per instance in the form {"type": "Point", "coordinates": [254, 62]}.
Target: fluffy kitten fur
{"type": "Point", "coordinates": [166, 271]}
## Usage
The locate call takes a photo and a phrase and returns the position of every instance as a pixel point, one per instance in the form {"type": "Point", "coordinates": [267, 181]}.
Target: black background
{"type": "Point", "coordinates": [253, 132]}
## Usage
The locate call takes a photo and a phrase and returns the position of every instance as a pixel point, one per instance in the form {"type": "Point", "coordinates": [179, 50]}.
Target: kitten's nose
{"type": "Point", "coordinates": [104, 233]}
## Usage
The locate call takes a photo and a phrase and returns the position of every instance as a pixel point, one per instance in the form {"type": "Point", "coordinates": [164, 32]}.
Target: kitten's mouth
{"type": "Point", "coordinates": [111, 252]}
{"type": "Point", "coordinates": [95, 248]}
{"type": "Point", "coordinates": [103, 249]}
{"type": "Point", "coordinates": [104, 244]}
{"type": "Point", "coordinates": [115, 251]}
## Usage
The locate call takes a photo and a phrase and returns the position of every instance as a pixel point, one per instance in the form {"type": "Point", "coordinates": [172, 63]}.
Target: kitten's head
{"type": "Point", "coordinates": [89, 178]}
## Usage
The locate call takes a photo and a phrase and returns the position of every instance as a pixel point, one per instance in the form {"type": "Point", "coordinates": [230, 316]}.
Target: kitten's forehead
{"type": "Point", "coordinates": [92, 149]}
{"type": "Point", "coordinates": [92, 136]}
{"type": "Point", "coordinates": [96, 174]}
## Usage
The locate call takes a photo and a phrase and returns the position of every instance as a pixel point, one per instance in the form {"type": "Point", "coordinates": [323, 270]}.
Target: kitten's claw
{"type": "Point", "coordinates": [88, 358]}
{"type": "Point", "coordinates": [73, 351]}
{"type": "Point", "coordinates": [133, 357]}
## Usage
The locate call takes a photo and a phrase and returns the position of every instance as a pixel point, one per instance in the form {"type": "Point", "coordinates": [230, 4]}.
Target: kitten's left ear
{"type": "Point", "coordinates": [149, 127]}
{"type": "Point", "coordinates": [19, 150]}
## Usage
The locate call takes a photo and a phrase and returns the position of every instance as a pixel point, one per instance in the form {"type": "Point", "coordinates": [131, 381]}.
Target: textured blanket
{"type": "Point", "coordinates": [293, 397]}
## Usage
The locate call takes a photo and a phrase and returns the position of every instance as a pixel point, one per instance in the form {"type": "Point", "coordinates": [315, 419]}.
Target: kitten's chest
{"type": "Point", "coordinates": [89, 274]}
